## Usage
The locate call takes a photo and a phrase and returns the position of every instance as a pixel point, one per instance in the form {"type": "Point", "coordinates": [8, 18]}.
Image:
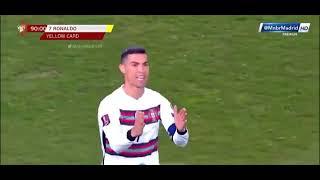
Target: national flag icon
{"type": "Point", "coordinates": [22, 28]}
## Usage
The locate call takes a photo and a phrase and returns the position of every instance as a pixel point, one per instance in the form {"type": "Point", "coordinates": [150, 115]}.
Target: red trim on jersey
{"type": "Point", "coordinates": [127, 117]}
{"type": "Point", "coordinates": [137, 147]}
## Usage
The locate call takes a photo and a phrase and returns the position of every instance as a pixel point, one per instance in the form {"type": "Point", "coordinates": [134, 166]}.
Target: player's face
{"type": "Point", "coordinates": [136, 70]}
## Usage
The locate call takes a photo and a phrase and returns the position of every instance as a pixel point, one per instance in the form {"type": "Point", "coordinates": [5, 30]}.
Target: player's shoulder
{"type": "Point", "coordinates": [155, 94]}
{"type": "Point", "coordinates": [151, 92]}
{"type": "Point", "coordinates": [110, 98]}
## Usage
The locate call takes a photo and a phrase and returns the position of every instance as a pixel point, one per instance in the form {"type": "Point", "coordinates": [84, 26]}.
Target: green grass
{"type": "Point", "coordinates": [252, 98]}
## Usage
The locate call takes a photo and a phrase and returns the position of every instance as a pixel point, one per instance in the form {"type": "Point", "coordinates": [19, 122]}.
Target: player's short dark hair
{"type": "Point", "coordinates": [132, 50]}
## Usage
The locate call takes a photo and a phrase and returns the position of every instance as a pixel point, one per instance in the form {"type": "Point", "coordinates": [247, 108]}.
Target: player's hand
{"type": "Point", "coordinates": [138, 124]}
{"type": "Point", "coordinates": [180, 118]}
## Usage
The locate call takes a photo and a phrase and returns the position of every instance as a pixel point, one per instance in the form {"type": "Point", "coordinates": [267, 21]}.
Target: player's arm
{"type": "Point", "coordinates": [118, 138]}
{"type": "Point", "coordinates": [175, 123]}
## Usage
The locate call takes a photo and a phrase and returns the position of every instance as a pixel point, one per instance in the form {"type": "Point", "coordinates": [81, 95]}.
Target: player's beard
{"type": "Point", "coordinates": [140, 80]}
{"type": "Point", "coordinates": [135, 83]}
{"type": "Point", "coordinates": [141, 84]}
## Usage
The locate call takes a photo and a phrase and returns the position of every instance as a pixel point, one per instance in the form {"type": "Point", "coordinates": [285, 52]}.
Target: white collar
{"type": "Point", "coordinates": [126, 95]}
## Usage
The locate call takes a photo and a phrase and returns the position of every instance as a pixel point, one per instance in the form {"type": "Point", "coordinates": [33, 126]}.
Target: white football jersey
{"type": "Point", "coordinates": [116, 116]}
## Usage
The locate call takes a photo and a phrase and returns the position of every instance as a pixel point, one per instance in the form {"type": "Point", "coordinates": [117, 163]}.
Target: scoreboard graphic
{"type": "Point", "coordinates": [66, 32]}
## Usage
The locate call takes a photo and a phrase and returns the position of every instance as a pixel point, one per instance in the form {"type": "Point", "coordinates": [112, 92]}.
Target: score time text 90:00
{"type": "Point", "coordinates": [37, 28]}
{"type": "Point", "coordinates": [42, 28]}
